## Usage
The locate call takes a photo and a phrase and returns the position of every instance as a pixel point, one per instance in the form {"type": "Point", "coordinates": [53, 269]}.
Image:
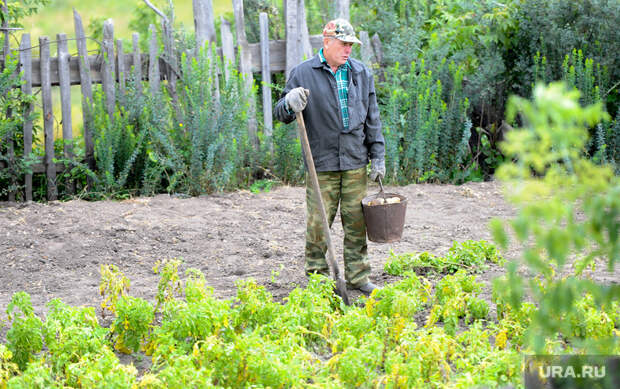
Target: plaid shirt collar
{"type": "Point", "coordinates": [342, 82]}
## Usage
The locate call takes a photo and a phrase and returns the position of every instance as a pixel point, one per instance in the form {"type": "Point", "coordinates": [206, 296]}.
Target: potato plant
{"type": "Point", "coordinates": [410, 333]}
{"type": "Point", "coordinates": [473, 256]}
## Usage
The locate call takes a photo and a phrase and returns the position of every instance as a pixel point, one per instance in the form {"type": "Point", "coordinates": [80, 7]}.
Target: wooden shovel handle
{"type": "Point", "coordinates": [303, 136]}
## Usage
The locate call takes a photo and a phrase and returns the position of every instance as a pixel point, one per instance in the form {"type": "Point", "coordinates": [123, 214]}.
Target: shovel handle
{"type": "Point", "coordinates": [303, 136]}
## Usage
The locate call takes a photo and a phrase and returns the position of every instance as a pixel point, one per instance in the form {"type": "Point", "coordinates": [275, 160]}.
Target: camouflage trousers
{"type": "Point", "coordinates": [347, 189]}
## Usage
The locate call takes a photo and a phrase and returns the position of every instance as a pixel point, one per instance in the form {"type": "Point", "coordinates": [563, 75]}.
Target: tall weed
{"type": "Point", "coordinates": [426, 124]}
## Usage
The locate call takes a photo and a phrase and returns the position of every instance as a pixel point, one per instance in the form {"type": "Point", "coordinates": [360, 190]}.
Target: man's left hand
{"type": "Point", "coordinates": [377, 169]}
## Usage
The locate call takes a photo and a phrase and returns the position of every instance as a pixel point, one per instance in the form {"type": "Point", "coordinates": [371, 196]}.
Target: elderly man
{"type": "Point", "coordinates": [336, 94]}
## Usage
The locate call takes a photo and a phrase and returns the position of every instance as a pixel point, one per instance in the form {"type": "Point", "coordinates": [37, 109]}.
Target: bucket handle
{"type": "Point", "coordinates": [381, 192]}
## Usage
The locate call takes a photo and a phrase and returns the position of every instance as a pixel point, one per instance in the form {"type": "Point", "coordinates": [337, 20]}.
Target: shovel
{"type": "Point", "coordinates": [341, 285]}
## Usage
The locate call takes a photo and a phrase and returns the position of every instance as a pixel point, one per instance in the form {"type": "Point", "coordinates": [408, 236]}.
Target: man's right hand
{"type": "Point", "coordinates": [297, 99]}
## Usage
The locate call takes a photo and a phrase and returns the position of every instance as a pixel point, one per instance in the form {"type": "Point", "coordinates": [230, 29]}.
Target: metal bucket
{"type": "Point", "coordinates": [384, 222]}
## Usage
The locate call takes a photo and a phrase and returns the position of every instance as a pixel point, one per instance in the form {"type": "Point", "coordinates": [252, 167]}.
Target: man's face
{"type": "Point", "coordinates": [336, 51]}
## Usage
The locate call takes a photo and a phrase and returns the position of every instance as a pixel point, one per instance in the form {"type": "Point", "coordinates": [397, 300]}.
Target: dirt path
{"type": "Point", "coordinates": [55, 250]}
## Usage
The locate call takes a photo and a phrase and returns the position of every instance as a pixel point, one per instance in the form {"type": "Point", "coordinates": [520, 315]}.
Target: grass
{"type": "Point", "coordinates": [57, 17]}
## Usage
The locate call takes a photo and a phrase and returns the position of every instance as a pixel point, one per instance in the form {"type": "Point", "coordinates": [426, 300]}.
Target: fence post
{"type": "Point", "coordinates": [205, 32]}
{"type": "Point", "coordinates": [292, 46]}
{"type": "Point", "coordinates": [87, 94]}
{"type": "Point", "coordinates": [122, 72]}
{"type": "Point", "coordinates": [378, 49]}
{"type": "Point", "coordinates": [108, 80]}
{"type": "Point", "coordinates": [342, 9]}
{"type": "Point", "coordinates": [228, 47]}
{"type": "Point", "coordinates": [48, 118]}
{"type": "Point", "coordinates": [203, 22]}
{"type": "Point", "coordinates": [302, 33]}
{"type": "Point", "coordinates": [245, 61]}
{"type": "Point", "coordinates": [366, 49]}
{"type": "Point", "coordinates": [25, 60]}
{"type": "Point", "coordinates": [64, 79]}
{"type": "Point", "coordinates": [137, 63]}
{"type": "Point", "coordinates": [266, 73]}
{"type": "Point", "coordinates": [65, 92]}
{"type": "Point", "coordinates": [153, 61]}
{"type": "Point", "coordinates": [10, 139]}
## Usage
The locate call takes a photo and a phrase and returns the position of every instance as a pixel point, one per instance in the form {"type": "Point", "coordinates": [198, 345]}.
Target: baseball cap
{"type": "Point", "coordinates": [341, 30]}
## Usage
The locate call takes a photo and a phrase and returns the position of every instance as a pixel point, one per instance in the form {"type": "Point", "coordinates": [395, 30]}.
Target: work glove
{"type": "Point", "coordinates": [296, 99]}
{"type": "Point", "coordinates": [377, 169]}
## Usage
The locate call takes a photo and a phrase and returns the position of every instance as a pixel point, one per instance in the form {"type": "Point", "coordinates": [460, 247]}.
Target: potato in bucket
{"type": "Point", "coordinates": [384, 214]}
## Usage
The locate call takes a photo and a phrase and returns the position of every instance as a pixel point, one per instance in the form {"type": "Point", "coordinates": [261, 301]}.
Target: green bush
{"type": "Point", "coordinates": [25, 337]}
{"type": "Point", "coordinates": [427, 126]}
{"type": "Point", "coordinates": [13, 114]}
{"type": "Point", "coordinates": [568, 208]}
{"type": "Point", "coordinates": [557, 27]}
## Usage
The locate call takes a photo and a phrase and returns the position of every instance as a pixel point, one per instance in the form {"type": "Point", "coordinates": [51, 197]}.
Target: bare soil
{"type": "Point", "coordinates": [55, 250]}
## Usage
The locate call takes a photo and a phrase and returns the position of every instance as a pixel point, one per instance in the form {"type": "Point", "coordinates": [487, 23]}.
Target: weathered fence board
{"type": "Point", "coordinates": [342, 9]}
{"type": "Point", "coordinates": [277, 49]}
{"type": "Point", "coordinates": [65, 101]}
{"type": "Point", "coordinates": [48, 118]}
{"type": "Point", "coordinates": [245, 67]}
{"type": "Point", "coordinates": [228, 47]}
{"type": "Point", "coordinates": [121, 71]}
{"type": "Point", "coordinates": [136, 66]}
{"type": "Point", "coordinates": [87, 94]}
{"type": "Point", "coordinates": [266, 76]}
{"type": "Point", "coordinates": [306, 48]}
{"type": "Point", "coordinates": [292, 46]}
{"type": "Point", "coordinates": [25, 62]}
{"type": "Point", "coordinates": [365, 49]}
{"type": "Point", "coordinates": [9, 141]}
{"type": "Point", "coordinates": [65, 92]}
{"type": "Point", "coordinates": [108, 80]}
{"type": "Point", "coordinates": [204, 25]}
{"type": "Point", "coordinates": [153, 62]}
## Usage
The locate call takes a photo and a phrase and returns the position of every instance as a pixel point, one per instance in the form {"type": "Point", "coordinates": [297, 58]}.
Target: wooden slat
{"type": "Point", "coordinates": [137, 62]}
{"type": "Point", "coordinates": [39, 167]}
{"type": "Point", "coordinates": [277, 48]}
{"type": "Point", "coordinates": [277, 53]}
{"type": "Point", "coordinates": [245, 67]}
{"type": "Point", "coordinates": [9, 141]}
{"type": "Point", "coordinates": [342, 9]}
{"type": "Point", "coordinates": [266, 76]}
{"type": "Point", "coordinates": [87, 94]}
{"type": "Point", "coordinates": [25, 61]}
{"type": "Point", "coordinates": [48, 118]}
{"type": "Point", "coordinates": [228, 47]}
{"type": "Point", "coordinates": [121, 71]}
{"type": "Point", "coordinates": [65, 93]}
{"type": "Point", "coordinates": [107, 68]}
{"type": "Point", "coordinates": [245, 61]}
{"type": "Point", "coordinates": [65, 102]}
{"type": "Point", "coordinates": [292, 36]}
{"type": "Point", "coordinates": [215, 72]}
{"type": "Point", "coordinates": [378, 48]}
{"type": "Point", "coordinates": [366, 49]}
{"type": "Point", "coordinates": [306, 48]}
{"type": "Point", "coordinates": [154, 76]}
{"type": "Point", "coordinates": [204, 22]}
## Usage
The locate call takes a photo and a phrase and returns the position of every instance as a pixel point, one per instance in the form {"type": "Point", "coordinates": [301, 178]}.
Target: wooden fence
{"type": "Point", "coordinates": [114, 65]}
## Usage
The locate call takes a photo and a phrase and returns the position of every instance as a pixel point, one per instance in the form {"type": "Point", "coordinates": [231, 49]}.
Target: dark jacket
{"type": "Point", "coordinates": [335, 148]}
